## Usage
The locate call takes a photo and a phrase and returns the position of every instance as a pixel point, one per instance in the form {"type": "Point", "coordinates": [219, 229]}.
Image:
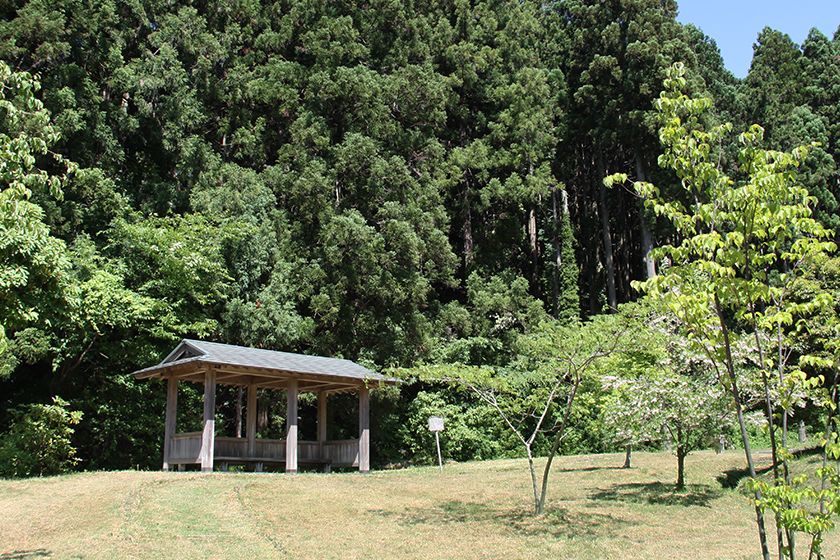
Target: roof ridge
{"type": "Point", "coordinates": [252, 348]}
{"type": "Point", "coordinates": [284, 363]}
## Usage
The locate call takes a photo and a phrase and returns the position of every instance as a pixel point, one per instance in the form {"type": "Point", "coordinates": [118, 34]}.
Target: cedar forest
{"type": "Point", "coordinates": [419, 187]}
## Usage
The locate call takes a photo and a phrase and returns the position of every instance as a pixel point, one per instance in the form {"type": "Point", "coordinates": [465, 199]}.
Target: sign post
{"type": "Point", "coordinates": [436, 426]}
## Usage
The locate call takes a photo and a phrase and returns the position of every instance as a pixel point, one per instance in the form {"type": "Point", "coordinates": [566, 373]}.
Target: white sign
{"type": "Point", "coordinates": [436, 426]}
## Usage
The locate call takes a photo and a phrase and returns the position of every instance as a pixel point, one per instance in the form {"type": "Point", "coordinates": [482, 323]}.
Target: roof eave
{"type": "Point", "coordinates": [153, 371]}
{"type": "Point", "coordinates": [199, 362]}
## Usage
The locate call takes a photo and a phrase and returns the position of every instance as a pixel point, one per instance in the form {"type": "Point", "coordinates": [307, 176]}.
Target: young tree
{"type": "Point", "coordinates": [674, 399]}
{"type": "Point", "coordinates": [741, 243]}
{"type": "Point", "coordinates": [535, 394]}
{"type": "Point", "coordinates": [623, 420]}
{"type": "Point", "coordinates": [628, 425]}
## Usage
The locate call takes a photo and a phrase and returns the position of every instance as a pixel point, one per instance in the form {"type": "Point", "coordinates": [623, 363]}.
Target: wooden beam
{"type": "Point", "coordinates": [194, 371]}
{"type": "Point", "coordinates": [208, 435]}
{"type": "Point", "coordinates": [292, 426]}
{"type": "Point", "coordinates": [341, 390]}
{"type": "Point", "coordinates": [283, 374]}
{"type": "Point", "coordinates": [193, 376]}
{"type": "Point", "coordinates": [228, 378]}
{"type": "Point", "coordinates": [170, 419]}
{"type": "Point", "coordinates": [303, 385]}
{"type": "Point", "coordinates": [364, 429]}
{"type": "Point", "coordinates": [334, 390]}
{"type": "Point", "coordinates": [265, 382]}
{"type": "Point", "coordinates": [310, 384]}
{"type": "Point", "coordinates": [251, 420]}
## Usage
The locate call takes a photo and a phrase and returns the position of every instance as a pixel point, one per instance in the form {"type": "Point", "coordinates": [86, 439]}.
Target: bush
{"type": "Point", "coordinates": [469, 433]}
{"type": "Point", "coordinates": [38, 443]}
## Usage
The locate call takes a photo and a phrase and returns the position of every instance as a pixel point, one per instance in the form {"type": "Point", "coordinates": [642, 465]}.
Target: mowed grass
{"type": "Point", "coordinates": [475, 510]}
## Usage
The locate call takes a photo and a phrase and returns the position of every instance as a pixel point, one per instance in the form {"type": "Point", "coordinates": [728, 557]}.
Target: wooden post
{"type": "Point", "coordinates": [364, 429]}
{"type": "Point", "coordinates": [251, 420]}
{"type": "Point", "coordinates": [322, 428]}
{"type": "Point", "coordinates": [208, 435]}
{"type": "Point", "coordinates": [292, 426]}
{"type": "Point", "coordinates": [170, 419]}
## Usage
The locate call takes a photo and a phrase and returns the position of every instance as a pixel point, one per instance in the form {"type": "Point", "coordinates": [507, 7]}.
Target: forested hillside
{"type": "Point", "coordinates": [390, 182]}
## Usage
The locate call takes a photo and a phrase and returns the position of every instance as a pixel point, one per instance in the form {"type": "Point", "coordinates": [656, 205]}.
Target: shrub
{"type": "Point", "coordinates": [38, 443]}
{"type": "Point", "coordinates": [468, 434]}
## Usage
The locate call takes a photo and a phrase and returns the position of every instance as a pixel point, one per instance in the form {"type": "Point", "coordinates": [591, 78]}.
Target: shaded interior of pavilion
{"type": "Point", "coordinates": [307, 389]}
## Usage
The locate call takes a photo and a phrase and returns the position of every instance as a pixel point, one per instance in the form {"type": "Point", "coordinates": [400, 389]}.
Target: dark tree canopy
{"type": "Point", "coordinates": [383, 181]}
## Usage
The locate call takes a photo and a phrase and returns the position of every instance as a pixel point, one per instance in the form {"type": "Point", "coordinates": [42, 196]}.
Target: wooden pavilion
{"type": "Point", "coordinates": [212, 363]}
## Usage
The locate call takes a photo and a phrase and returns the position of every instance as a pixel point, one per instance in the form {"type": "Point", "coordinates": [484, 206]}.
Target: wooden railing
{"type": "Point", "coordinates": [274, 449]}
{"type": "Point", "coordinates": [230, 447]}
{"type": "Point", "coordinates": [185, 448]}
{"type": "Point", "coordinates": [309, 452]}
{"type": "Point", "coordinates": [344, 452]}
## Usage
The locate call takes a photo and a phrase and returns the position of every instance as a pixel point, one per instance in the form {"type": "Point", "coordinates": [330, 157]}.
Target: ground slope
{"type": "Point", "coordinates": [471, 511]}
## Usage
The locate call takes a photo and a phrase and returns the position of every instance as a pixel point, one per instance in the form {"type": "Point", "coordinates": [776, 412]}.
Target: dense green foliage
{"type": "Point", "coordinates": [39, 441]}
{"type": "Point", "coordinates": [746, 241]}
{"type": "Point", "coordinates": [391, 182]}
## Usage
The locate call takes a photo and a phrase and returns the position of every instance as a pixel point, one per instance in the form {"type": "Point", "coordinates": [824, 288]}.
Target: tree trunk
{"type": "Point", "coordinates": [239, 412]}
{"type": "Point", "coordinates": [466, 230]}
{"type": "Point", "coordinates": [769, 414]}
{"type": "Point", "coordinates": [791, 535]}
{"type": "Point", "coordinates": [742, 425]}
{"type": "Point", "coordinates": [681, 467]}
{"type": "Point", "coordinates": [628, 452]}
{"type": "Point", "coordinates": [534, 484]}
{"type": "Point", "coordinates": [533, 242]}
{"type": "Point", "coordinates": [555, 445]}
{"type": "Point", "coordinates": [592, 261]}
{"type": "Point", "coordinates": [647, 237]}
{"type": "Point", "coordinates": [555, 241]}
{"type": "Point", "coordinates": [262, 413]}
{"type": "Point", "coordinates": [604, 213]}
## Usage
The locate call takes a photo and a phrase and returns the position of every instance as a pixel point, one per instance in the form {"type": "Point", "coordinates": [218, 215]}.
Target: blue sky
{"type": "Point", "coordinates": [735, 24]}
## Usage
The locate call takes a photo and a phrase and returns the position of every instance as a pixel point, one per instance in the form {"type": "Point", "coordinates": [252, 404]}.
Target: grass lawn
{"type": "Point", "coordinates": [471, 511]}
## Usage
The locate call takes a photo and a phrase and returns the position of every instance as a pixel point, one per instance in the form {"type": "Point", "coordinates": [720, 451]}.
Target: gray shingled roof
{"type": "Point", "coordinates": [229, 354]}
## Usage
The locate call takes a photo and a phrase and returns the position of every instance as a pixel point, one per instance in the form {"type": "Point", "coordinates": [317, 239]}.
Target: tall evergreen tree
{"type": "Point", "coordinates": [618, 52]}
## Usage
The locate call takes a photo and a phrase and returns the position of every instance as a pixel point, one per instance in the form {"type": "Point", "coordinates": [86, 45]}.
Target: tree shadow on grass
{"type": "Point", "coordinates": [659, 493]}
{"type": "Point", "coordinates": [587, 469]}
{"type": "Point", "coordinates": [25, 554]}
{"type": "Point", "coordinates": [732, 478]}
{"type": "Point", "coordinates": [555, 522]}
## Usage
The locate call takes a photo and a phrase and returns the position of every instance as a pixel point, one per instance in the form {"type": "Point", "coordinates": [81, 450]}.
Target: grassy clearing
{"type": "Point", "coordinates": [471, 511]}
